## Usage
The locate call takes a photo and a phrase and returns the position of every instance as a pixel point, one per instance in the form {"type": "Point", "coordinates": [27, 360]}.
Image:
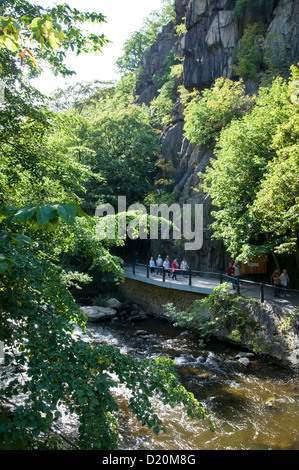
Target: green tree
{"type": "Point", "coordinates": [241, 5]}
{"type": "Point", "coordinates": [248, 54]}
{"type": "Point", "coordinates": [209, 111]}
{"type": "Point", "coordinates": [123, 151]}
{"type": "Point", "coordinates": [277, 201]}
{"type": "Point", "coordinates": [161, 107]}
{"type": "Point", "coordinates": [53, 368]}
{"type": "Point", "coordinates": [37, 326]}
{"type": "Point", "coordinates": [247, 152]}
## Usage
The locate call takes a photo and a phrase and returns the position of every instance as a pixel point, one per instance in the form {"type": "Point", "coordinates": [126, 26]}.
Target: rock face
{"type": "Point", "coordinates": [214, 30]}
{"type": "Point", "coordinates": [271, 330]}
{"type": "Point", "coordinates": [212, 33]}
{"type": "Point", "coordinates": [153, 64]}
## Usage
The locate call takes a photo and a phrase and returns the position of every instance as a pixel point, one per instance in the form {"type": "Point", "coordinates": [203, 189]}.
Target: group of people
{"type": "Point", "coordinates": [281, 283]}
{"type": "Point", "coordinates": [170, 268]}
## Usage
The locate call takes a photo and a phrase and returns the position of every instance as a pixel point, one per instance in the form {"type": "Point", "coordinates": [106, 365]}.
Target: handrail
{"type": "Point", "coordinates": [221, 275]}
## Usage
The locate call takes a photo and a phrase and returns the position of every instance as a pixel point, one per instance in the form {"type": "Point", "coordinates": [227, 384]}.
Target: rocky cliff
{"type": "Point", "coordinates": [213, 31]}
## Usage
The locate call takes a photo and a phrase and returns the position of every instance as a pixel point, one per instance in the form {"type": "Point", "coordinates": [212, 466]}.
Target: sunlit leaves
{"type": "Point", "coordinates": [40, 33]}
{"type": "Point", "coordinates": [123, 151]}
{"type": "Point", "coordinates": [64, 371]}
{"type": "Point", "coordinates": [207, 112]}
{"type": "Point", "coordinates": [253, 181]}
{"type": "Point", "coordinates": [10, 31]}
{"type": "Point", "coordinates": [277, 201]}
{"type": "Point", "coordinates": [47, 32]}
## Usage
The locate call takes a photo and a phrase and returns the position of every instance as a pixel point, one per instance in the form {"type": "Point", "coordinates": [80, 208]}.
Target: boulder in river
{"type": "Point", "coordinates": [97, 313]}
{"type": "Point", "coordinates": [142, 333]}
{"type": "Point", "coordinates": [114, 303]}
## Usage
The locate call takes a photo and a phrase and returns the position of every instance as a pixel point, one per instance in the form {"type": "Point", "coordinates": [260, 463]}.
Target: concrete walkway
{"type": "Point", "coordinates": [204, 283]}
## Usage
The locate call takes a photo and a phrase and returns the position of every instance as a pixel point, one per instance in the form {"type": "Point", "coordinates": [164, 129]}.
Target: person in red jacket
{"type": "Point", "coordinates": [230, 271]}
{"type": "Point", "coordinates": [173, 269]}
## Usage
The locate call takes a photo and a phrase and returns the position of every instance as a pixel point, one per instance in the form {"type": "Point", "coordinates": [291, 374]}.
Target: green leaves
{"type": "Point", "coordinates": [37, 216]}
{"type": "Point", "coordinates": [249, 51]}
{"type": "Point", "coordinates": [47, 215]}
{"type": "Point", "coordinates": [208, 112]}
{"type": "Point", "coordinates": [9, 33]}
{"type": "Point", "coordinates": [38, 311]}
{"type": "Point", "coordinates": [253, 178]}
{"type": "Point", "coordinates": [47, 31]}
{"type": "Point", "coordinates": [142, 40]}
{"type": "Point", "coordinates": [123, 150]}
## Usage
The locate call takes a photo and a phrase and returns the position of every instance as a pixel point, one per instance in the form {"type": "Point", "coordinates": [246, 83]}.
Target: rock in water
{"type": "Point", "coordinates": [96, 313]}
{"type": "Point", "coordinates": [114, 303]}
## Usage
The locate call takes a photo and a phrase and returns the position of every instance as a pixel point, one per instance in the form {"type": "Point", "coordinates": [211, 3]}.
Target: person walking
{"type": "Point", "coordinates": [184, 267]}
{"type": "Point", "coordinates": [152, 265]}
{"type": "Point", "coordinates": [174, 268]}
{"type": "Point", "coordinates": [275, 281]}
{"type": "Point", "coordinates": [159, 263]}
{"type": "Point", "coordinates": [230, 274]}
{"type": "Point", "coordinates": [166, 265]}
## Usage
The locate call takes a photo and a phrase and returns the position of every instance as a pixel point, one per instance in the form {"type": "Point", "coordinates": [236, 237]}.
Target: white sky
{"type": "Point", "coordinates": [123, 18]}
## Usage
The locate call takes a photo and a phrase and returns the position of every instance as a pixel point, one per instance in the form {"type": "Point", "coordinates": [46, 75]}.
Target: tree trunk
{"type": "Point", "coordinates": [276, 261]}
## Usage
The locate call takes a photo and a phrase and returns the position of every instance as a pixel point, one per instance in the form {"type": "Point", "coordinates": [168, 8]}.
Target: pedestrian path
{"type": "Point", "coordinates": [204, 283]}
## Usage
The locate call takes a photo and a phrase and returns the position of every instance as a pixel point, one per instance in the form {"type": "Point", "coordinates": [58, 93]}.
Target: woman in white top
{"type": "Point", "coordinates": [184, 266]}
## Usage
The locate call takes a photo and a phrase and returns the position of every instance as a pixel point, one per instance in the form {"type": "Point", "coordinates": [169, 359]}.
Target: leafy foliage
{"type": "Point", "coordinates": [63, 371]}
{"type": "Point", "coordinates": [207, 112]}
{"type": "Point", "coordinates": [206, 317]}
{"type": "Point", "coordinates": [161, 107]}
{"type": "Point", "coordinates": [31, 31]}
{"type": "Point", "coordinates": [249, 52]}
{"type": "Point", "coordinates": [241, 5]}
{"type": "Point", "coordinates": [47, 243]}
{"type": "Point", "coordinates": [126, 148]}
{"type": "Point", "coordinates": [250, 156]}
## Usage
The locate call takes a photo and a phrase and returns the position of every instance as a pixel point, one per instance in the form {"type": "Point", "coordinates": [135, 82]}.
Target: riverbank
{"type": "Point", "coordinates": [269, 330]}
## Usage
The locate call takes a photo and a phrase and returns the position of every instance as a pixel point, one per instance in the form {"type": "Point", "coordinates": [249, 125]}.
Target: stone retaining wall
{"type": "Point", "coordinates": [152, 298]}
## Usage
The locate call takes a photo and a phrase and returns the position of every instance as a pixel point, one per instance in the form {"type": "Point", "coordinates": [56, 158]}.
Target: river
{"type": "Point", "coordinates": [254, 406]}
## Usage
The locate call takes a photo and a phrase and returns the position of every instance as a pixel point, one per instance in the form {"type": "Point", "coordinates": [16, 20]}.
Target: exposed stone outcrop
{"type": "Point", "coordinates": [271, 330]}
{"type": "Point", "coordinates": [153, 64]}
{"type": "Point", "coordinates": [211, 35]}
{"type": "Point", "coordinates": [213, 32]}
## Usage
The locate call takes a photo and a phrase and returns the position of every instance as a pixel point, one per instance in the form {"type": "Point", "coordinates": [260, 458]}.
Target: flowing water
{"type": "Point", "coordinates": [254, 406]}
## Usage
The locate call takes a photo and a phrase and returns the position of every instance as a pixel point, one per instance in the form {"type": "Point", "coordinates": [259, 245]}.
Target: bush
{"type": "Point", "coordinates": [248, 55]}
{"type": "Point", "coordinates": [207, 112]}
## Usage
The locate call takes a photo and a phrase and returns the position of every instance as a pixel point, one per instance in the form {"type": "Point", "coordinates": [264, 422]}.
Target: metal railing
{"type": "Point", "coordinates": [241, 285]}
